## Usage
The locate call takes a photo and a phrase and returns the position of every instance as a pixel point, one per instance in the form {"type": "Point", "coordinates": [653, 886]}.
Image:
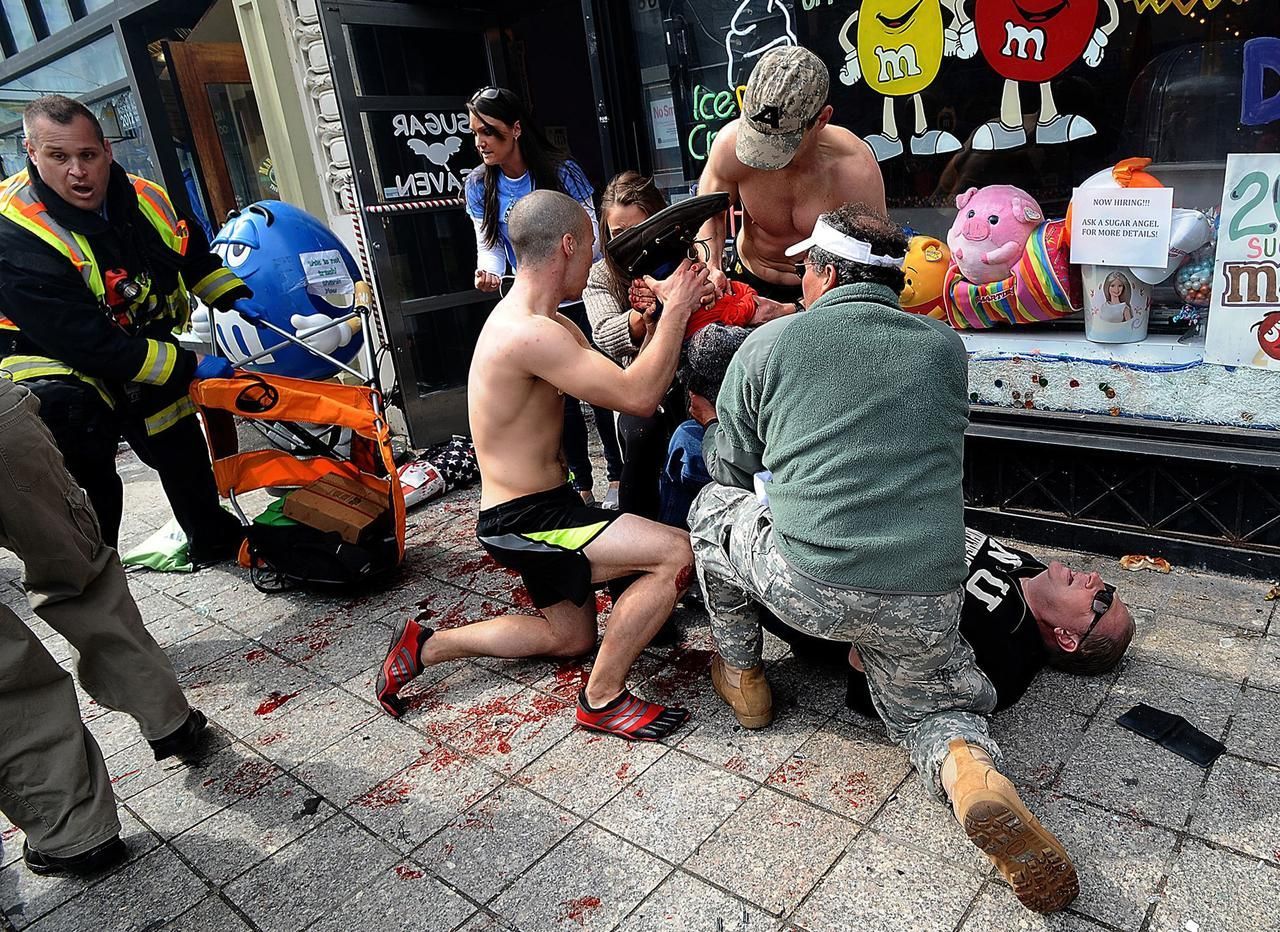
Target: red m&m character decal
{"type": "Point", "coordinates": [1269, 334]}
{"type": "Point", "coordinates": [1034, 40]}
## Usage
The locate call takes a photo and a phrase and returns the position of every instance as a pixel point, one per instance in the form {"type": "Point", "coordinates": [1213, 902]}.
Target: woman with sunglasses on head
{"type": "Point", "coordinates": [517, 158]}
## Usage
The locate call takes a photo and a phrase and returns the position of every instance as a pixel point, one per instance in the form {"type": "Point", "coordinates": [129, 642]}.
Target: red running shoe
{"type": "Point", "coordinates": [632, 718]}
{"type": "Point", "coordinates": [403, 663]}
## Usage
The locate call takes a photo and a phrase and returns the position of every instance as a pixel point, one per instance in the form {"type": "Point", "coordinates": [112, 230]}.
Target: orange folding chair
{"type": "Point", "coordinates": [307, 413]}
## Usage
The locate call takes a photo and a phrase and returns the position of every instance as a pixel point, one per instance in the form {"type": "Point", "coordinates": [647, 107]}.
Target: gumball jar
{"type": "Point", "coordinates": [1194, 279]}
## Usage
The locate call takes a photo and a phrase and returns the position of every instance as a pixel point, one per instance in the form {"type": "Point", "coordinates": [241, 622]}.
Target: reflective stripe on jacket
{"type": "Point", "coordinates": [20, 205]}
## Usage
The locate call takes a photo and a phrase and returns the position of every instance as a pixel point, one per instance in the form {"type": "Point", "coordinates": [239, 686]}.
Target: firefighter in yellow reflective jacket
{"type": "Point", "coordinates": [96, 267]}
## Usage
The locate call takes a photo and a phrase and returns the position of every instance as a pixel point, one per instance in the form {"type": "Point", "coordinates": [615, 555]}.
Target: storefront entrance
{"type": "Point", "coordinates": [1142, 446]}
{"type": "Point", "coordinates": [403, 74]}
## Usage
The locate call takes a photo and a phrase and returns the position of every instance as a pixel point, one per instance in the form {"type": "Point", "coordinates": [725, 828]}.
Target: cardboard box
{"type": "Point", "coordinates": [336, 503]}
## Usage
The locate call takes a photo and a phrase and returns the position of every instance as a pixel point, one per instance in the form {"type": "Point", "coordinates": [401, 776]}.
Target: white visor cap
{"type": "Point", "coordinates": [846, 247]}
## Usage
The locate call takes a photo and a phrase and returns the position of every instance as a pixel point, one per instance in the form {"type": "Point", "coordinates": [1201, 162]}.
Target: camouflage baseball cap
{"type": "Point", "coordinates": [787, 88]}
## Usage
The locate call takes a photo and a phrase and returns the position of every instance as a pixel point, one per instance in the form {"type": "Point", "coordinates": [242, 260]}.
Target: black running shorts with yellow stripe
{"type": "Point", "coordinates": [542, 537]}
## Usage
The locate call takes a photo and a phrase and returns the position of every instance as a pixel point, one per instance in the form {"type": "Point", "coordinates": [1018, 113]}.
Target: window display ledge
{"type": "Point", "coordinates": [1158, 350]}
{"type": "Point", "coordinates": [1158, 379]}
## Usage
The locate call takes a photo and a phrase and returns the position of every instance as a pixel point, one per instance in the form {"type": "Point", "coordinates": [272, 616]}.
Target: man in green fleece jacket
{"type": "Point", "coordinates": [837, 453]}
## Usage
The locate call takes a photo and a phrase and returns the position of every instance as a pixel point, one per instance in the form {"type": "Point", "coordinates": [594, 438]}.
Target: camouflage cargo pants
{"type": "Point", "coordinates": [922, 675]}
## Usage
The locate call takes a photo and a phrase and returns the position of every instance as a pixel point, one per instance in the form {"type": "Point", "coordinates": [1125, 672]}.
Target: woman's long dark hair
{"type": "Point", "coordinates": [623, 190]}
{"type": "Point", "coordinates": [544, 161]}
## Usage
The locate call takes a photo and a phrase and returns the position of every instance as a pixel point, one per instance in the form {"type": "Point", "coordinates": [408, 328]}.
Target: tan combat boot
{"type": "Point", "coordinates": [751, 700]}
{"type": "Point", "coordinates": [1028, 856]}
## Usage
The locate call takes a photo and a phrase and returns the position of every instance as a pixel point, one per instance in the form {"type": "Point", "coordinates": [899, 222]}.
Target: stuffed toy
{"type": "Point", "coordinates": [925, 267]}
{"type": "Point", "coordinates": [991, 231]}
{"type": "Point", "coordinates": [1042, 285]}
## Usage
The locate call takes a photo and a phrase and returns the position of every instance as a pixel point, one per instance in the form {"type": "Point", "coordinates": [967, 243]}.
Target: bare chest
{"type": "Point", "coordinates": [788, 207]}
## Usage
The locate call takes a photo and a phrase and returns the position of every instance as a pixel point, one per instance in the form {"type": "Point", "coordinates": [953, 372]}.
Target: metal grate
{"type": "Point", "coordinates": [1107, 498]}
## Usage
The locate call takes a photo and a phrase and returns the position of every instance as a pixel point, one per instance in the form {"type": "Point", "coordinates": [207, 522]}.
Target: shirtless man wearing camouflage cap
{"type": "Point", "coordinates": [785, 163]}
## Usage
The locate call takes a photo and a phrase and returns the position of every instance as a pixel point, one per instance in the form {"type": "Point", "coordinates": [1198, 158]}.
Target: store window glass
{"type": "Point", "coordinates": [659, 99]}
{"type": "Point", "coordinates": [57, 14]}
{"type": "Point", "coordinates": [122, 124]}
{"type": "Point", "coordinates": [91, 5]}
{"type": "Point", "coordinates": [950, 101]}
{"type": "Point", "coordinates": [430, 253]}
{"type": "Point", "coordinates": [19, 23]}
{"type": "Point", "coordinates": [12, 157]}
{"type": "Point", "coordinates": [76, 74]}
{"type": "Point", "coordinates": [244, 143]}
{"type": "Point", "coordinates": [435, 62]}
{"type": "Point", "coordinates": [442, 343]}
{"type": "Point", "coordinates": [1098, 88]}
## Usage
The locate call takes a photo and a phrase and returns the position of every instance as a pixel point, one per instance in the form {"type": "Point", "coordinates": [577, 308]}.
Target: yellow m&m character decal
{"type": "Point", "coordinates": [898, 53]}
{"type": "Point", "coordinates": [900, 45]}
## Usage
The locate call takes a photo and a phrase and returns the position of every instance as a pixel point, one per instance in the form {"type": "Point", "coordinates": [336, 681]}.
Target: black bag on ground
{"type": "Point", "coordinates": [283, 557]}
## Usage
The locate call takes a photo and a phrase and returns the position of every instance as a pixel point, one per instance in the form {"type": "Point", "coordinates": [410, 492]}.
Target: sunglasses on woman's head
{"type": "Point", "coordinates": [485, 93]}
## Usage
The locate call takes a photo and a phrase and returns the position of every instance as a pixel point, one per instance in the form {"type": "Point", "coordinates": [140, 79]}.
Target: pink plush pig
{"type": "Point", "coordinates": [991, 231]}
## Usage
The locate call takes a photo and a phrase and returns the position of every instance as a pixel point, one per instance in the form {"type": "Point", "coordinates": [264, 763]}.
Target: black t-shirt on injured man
{"type": "Point", "coordinates": [994, 619]}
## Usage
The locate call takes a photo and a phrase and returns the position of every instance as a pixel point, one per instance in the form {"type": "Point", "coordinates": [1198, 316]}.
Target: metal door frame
{"type": "Point", "coordinates": [423, 412]}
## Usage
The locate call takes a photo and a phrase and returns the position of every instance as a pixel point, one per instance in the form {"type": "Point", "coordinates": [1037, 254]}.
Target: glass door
{"type": "Point", "coordinates": [213, 82]}
{"type": "Point", "coordinates": [403, 75]}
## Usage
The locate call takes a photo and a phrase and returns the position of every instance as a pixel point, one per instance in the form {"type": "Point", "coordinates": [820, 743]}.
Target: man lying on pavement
{"type": "Point", "coordinates": [1018, 616]}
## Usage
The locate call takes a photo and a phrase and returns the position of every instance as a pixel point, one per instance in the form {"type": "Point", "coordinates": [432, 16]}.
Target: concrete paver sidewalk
{"type": "Point", "coordinates": [484, 808]}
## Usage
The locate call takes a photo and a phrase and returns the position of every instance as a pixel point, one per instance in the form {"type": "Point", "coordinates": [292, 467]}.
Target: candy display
{"type": "Point", "coordinates": [1189, 231]}
{"type": "Point", "coordinates": [1008, 265]}
{"type": "Point", "coordinates": [1119, 299]}
{"type": "Point", "coordinates": [1194, 281]}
